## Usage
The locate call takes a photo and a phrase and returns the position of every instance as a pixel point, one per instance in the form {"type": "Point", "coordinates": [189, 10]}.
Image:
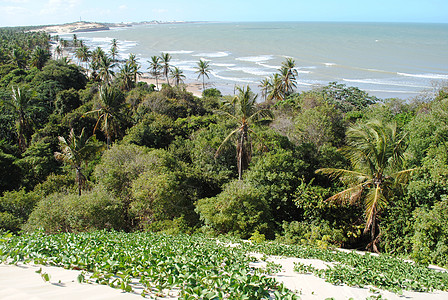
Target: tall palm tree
{"type": "Point", "coordinates": [39, 57]}
{"type": "Point", "coordinates": [76, 151]}
{"type": "Point", "coordinates": [203, 69]}
{"type": "Point", "coordinates": [114, 49]}
{"type": "Point", "coordinates": [177, 75]}
{"type": "Point", "coordinates": [110, 107]}
{"type": "Point", "coordinates": [58, 51]}
{"type": "Point", "coordinates": [83, 54]}
{"type": "Point", "coordinates": [20, 105]}
{"type": "Point", "coordinates": [75, 40]}
{"type": "Point", "coordinates": [154, 68]}
{"type": "Point", "coordinates": [246, 114]}
{"type": "Point", "coordinates": [376, 152]}
{"type": "Point", "coordinates": [165, 59]}
{"type": "Point", "coordinates": [126, 76]}
{"type": "Point", "coordinates": [135, 66]}
{"type": "Point", "coordinates": [105, 67]}
{"type": "Point", "coordinates": [265, 85]}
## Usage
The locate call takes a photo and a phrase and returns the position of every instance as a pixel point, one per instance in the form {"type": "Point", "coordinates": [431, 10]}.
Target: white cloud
{"type": "Point", "coordinates": [15, 1]}
{"type": "Point", "coordinates": [14, 10]}
{"type": "Point", "coordinates": [123, 7]}
{"type": "Point", "coordinates": [59, 6]}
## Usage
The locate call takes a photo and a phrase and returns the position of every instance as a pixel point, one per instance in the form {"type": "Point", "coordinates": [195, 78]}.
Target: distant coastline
{"type": "Point", "coordinates": [83, 26]}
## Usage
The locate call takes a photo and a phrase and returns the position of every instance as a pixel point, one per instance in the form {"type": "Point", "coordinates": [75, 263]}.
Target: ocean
{"type": "Point", "coordinates": [387, 60]}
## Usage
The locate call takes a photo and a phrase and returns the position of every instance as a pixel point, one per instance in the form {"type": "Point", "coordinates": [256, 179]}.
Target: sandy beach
{"type": "Point", "coordinates": [193, 87]}
{"type": "Point", "coordinates": [22, 282]}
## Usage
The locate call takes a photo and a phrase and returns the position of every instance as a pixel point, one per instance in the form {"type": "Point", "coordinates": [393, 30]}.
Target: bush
{"type": "Point", "coordinates": [239, 209]}
{"type": "Point", "coordinates": [318, 233]}
{"type": "Point", "coordinates": [430, 240]}
{"type": "Point", "coordinates": [15, 208]}
{"type": "Point", "coordinates": [72, 213]}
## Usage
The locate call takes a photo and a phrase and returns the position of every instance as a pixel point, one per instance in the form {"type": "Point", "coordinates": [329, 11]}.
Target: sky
{"type": "Point", "coordinates": [45, 12]}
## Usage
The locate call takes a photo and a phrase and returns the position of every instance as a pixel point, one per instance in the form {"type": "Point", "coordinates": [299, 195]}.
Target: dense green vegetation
{"type": "Point", "coordinates": [85, 146]}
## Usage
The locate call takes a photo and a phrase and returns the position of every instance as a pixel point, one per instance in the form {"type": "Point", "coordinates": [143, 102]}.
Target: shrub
{"type": "Point", "coordinates": [72, 213]}
{"type": "Point", "coordinates": [430, 240]}
{"type": "Point", "coordinates": [239, 209]}
{"type": "Point", "coordinates": [15, 208]}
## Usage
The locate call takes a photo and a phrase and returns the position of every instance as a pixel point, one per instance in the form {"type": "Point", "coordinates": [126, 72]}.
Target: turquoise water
{"type": "Point", "coordinates": [387, 60]}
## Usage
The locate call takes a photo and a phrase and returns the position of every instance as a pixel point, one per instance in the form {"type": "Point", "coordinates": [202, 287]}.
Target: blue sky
{"type": "Point", "coordinates": [40, 12]}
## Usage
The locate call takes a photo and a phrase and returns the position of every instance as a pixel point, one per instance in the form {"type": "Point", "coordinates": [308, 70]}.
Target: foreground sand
{"type": "Point", "coordinates": [22, 282]}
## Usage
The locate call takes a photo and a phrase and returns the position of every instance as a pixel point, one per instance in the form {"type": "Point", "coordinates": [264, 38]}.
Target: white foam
{"type": "Point", "coordinates": [178, 52]}
{"type": "Point", "coordinates": [329, 64]}
{"type": "Point", "coordinates": [256, 59]}
{"type": "Point", "coordinates": [383, 82]}
{"type": "Point", "coordinates": [252, 71]}
{"type": "Point", "coordinates": [231, 78]}
{"type": "Point", "coordinates": [426, 75]}
{"type": "Point", "coordinates": [268, 66]}
{"type": "Point", "coordinates": [223, 65]}
{"type": "Point", "coordinates": [213, 54]}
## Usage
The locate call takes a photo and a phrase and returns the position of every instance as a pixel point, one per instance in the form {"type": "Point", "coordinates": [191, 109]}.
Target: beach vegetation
{"type": "Point", "coordinates": [236, 164]}
{"type": "Point", "coordinates": [203, 69]}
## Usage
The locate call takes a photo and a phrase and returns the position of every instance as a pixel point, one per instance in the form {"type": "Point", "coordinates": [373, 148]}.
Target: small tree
{"type": "Point", "coordinates": [76, 151]}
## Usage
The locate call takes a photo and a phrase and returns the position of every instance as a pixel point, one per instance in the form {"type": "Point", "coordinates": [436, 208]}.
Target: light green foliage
{"type": "Point", "coordinates": [320, 125]}
{"type": "Point", "coordinates": [318, 233]}
{"type": "Point", "coordinates": [163, 196]}
{"type": "Point", "coordinates": [430, 240]}
{"type": "Point", "coordinates": [122, 164]}
{"type": "Point", "coordinates": [15, 208]}
{"type": "Point", "coordinates": [347, 98]}
{"type": "Point", "coordinates": [72, 213]}
{"type": "Point", "coordinates": [240, 209]}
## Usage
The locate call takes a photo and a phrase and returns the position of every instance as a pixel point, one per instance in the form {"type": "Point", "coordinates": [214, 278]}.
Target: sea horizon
{"type": "Point", "coordinates": [385, 59]}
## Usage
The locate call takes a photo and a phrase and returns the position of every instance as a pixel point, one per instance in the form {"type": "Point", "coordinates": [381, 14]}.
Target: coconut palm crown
{"type": "Point", "coordinates": [376, 153]}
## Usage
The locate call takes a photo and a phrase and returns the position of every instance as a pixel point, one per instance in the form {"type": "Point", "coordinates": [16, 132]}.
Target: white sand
{"type": "Point", "coordinates": [22, 282]}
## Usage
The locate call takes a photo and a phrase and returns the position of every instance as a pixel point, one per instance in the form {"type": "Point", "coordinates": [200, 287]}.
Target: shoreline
{"type": "Point", "coordinates": [193, 87]}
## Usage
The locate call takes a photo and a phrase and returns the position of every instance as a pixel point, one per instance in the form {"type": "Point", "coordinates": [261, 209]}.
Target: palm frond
{"type": "Point", "coordinates": [225, 140]}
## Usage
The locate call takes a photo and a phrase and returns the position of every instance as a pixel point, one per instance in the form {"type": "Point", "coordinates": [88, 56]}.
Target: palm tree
{"type": "Point", "coordinates": [18, 57]}
{"type": "Point", "coordinates": [265, 85]}
{"type": "Point", "coordinates": [203, 69]}
{"type": "Point", "coordinates": [126, 76]}
{"type": "Point", "coordinates": [135, 66]}
{"type": "Point", "coordinates": [289, 76]}
{"type": "Point", "coordinates": [75, 40]}
{"type": "Point", "coordinates": [246, 114]}
{"type": "Point", "coordinates": [154, 68]}
{"type": "Point", "coordinates": [105, 69]}
{"type": "Point", "coordinates": [276, 92]}
{"type": "Point", "coordinates": [76, 151]}
{"type": "Point", "coordinates": [376, 152]}
{"type": "Point", "coordinates": [83, 54]}
{"type": "Point", "coordinates": [110, 106]}
{"type": "Point", "coordinates": [165, 59]}
{"type": "Point", "coordinates": [177, 75]}
{"type": "Point", "coordinates": [58, 51]}
{"type": "Point", "coordinates": [40, 57]}
{"type": "Point", "coordinates": [114, 49]}
{"type": "Point", "coordinates": [20, 105]}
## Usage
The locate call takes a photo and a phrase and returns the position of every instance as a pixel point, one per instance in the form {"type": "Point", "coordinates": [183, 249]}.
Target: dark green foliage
{"type": "Point", "coordinates": [239, 208]}
{"type": "Point", "coordinates": [277, 175]}
{"type": "Point", "coordinates": [68, 76]}
{"type": "Point", "coordinates": [347, 98]}
{"type": "Point", "coordinates": [9, 172]}
{"type": "Point", "coordinates": [72, 213]}
{"type": "Point", "coordinates": [37, 163]}
{"type": "Point", "coordinates": [15, 208]}
{"type": "Point", "coordinates": [66, 101]}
